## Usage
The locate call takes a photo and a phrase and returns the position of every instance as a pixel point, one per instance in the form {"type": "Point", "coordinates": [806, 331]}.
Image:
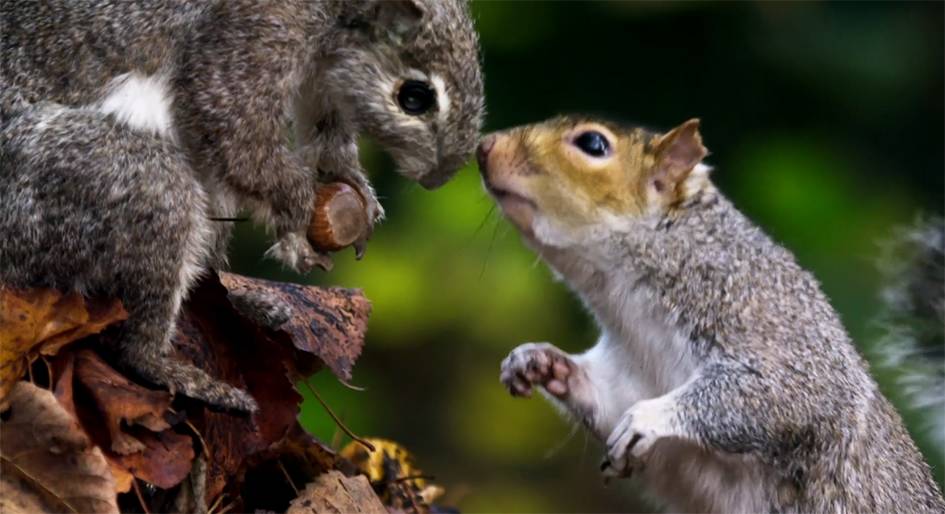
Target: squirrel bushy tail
{"type": "Point", "coordinates": [913, 318]}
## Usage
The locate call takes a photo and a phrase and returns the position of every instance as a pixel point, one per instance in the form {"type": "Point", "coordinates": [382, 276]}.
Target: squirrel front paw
{"type": "Point", "coordinates": [295, 252]}
{"type": "Point", "coordinates": [540, 364]}
{"type": "Point", "coordinates": [357, 179]}
{"type": "Point", "coordinates": [641, 425]}
{"type": "Point", "coordinates": [374, 209]}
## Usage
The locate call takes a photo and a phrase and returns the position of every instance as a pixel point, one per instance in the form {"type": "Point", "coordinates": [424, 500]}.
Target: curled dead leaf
{"type": "Point", "coordinates": [121, 401]}
{"type": "Point", "coordinates": [64, 367]}
{"type": "Point", "coordinates": [329, 323]}
{"type": "Point", "coordinates": [123, 478]}
{"type": "Point", "coordinates": [52, 459]}
{"type": "Point", "coordinates": [213, 336]}
{"type": "Point", "coordinates": [118, 414]}
{"type": "Point", "coordinates": [165, 460]}
{"type": "Point", "coordinates": [128, 422]}
{"type": "Point", "coordinates": [40, 321]}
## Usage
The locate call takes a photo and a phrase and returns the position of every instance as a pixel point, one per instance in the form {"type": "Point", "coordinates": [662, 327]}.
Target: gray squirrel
{"type": "Point", "coordinates": [125, 127]}
{"type": "Point", "coordinates": [723, 379]}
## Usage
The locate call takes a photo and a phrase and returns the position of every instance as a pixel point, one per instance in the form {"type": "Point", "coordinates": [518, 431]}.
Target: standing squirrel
{"type": "Point", "coordinates": [723, 378]}
{"type": "Point", "coordinates": [125, 127]}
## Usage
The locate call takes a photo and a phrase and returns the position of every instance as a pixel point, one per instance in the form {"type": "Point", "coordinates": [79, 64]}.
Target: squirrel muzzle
{"type": "Point", "coordinates": [499, 169]}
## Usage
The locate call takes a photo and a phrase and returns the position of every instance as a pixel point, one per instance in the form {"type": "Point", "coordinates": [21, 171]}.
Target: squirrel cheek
{"type": "Point", "coordinates": [520, 212]}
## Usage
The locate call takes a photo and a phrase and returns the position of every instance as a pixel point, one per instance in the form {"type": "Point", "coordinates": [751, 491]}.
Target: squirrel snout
{"type": "Point", "coordinates": [482, 152]}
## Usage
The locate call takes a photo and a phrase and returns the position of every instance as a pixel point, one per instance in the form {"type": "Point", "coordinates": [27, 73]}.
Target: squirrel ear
{"type": "Point", "coordinates": [678, 152]}
{"type": "Point", "coordinates": [399, 20]}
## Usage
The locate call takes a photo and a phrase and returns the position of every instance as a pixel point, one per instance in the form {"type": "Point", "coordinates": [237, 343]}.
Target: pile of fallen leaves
{"type": "Point", "coordinates": [79, 435]}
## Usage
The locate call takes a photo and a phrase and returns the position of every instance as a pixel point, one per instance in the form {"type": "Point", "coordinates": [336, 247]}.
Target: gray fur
{"type": "Point", "coordinates": [91, 204]}
{"type": "Point", "coordinates": [264, 309]}
{"type": "Point", "coordinates": [723, 378]}
{"type": "Point", "coordinates": [781, 378]}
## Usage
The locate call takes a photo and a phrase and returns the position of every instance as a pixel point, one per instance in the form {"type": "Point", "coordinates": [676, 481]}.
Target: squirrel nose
{"type": "Point", "coordinates": [482, 153]}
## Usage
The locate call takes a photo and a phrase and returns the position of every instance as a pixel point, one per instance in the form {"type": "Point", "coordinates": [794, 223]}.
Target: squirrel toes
{"type": "Point", "coordinates": [125, 127]}
{"type": "Point", "coordinates": [722, 378]}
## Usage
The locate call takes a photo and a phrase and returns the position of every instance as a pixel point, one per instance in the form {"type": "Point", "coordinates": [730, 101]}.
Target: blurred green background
{"type": "Point", "coordinates": [825, 123]}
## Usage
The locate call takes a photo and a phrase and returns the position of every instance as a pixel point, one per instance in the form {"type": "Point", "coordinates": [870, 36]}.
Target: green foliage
{"type": "Point", "coordinates": [825, 125]}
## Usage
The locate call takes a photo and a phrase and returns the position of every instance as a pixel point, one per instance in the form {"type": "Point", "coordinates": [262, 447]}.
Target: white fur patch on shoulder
{"type": "Point", "coordinates": [142, 102]}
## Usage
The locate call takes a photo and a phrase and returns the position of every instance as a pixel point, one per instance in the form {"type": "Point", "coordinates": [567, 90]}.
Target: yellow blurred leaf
{"type": "Point", "coordinates": [392, 471]}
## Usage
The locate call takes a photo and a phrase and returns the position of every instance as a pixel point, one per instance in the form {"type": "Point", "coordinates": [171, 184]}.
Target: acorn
{"type": "Point", "coordinates": [340, 219]}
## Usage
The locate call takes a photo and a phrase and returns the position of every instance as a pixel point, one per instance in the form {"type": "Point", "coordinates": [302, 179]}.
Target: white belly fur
{"type": "Point", "coordinates": [643, 356]}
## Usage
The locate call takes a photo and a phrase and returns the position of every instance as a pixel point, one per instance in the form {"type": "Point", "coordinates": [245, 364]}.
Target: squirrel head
{"type": "Point", "coordinates": [410, 74]}
{"type": "Point", "coordinates": [570, 181]}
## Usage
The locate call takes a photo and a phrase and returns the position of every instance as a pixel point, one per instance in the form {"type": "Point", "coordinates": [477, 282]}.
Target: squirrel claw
{"type": "Point", "coordinates": [360, 246]}
{"type": "Point", "coordinates": [295, 252]}
{"type": "Point", "coordinates": [609, 471]}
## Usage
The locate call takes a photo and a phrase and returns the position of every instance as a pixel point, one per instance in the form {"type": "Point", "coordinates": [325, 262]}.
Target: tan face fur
{"type": "Point", "coordinates": [558, 193]}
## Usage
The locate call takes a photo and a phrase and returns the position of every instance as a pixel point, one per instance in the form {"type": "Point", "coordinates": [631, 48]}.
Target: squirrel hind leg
{"type": "Point", "coordinates": [92, 206]}
{"type": "Point", "coordinates": [193, 382]}
{"type": "Point", "coordinates": [178, 247]}
{"type": "Point", "coordinates": [265, 309]}
{"type": "Point", "coordinates": [145, 348]}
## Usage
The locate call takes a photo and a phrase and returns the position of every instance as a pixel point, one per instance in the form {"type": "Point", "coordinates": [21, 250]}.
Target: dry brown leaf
{"type": "Point", "coordinates": [64, 367]}
{"type": "Point", "coordinates": [328, 326]}
{"type": "Point", "coordinates": [105, 399]}
{"type": "Point", "coordinates": [55, 463]}
{"type": "Point", "coordinates": [63, 373]}
{"type": "Point", "coordinates": [165, 461]}
{"type": "Point", "coordinates": [123, 478]}
{"type": "Point", "coordinates": [19, 496]}
{"type": "Point", "coordinates": [40, 321]}
{"type": "Point", "coordinates": [333, 493]}
{"type": "Point", "coordinates": [212, 335]}
{"type": "Point", "coordinates": [329, 323]}
{"type": "Point", "coordinates": [120, 400]}
{"type": "Point", "coordinates": [140, 440]}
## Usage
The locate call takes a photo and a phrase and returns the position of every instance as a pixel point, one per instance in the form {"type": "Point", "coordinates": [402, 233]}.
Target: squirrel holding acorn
{"type": "Point", "coordinates": [723, 379]}
{"type": "Point", "coordinates": [127, 129]}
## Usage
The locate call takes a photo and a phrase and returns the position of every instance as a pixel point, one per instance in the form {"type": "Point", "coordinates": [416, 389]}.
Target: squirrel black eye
{"type": "Point", "coordinates": [415, 97]}
{"type": "Point", "coordinates": [593, 143]}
